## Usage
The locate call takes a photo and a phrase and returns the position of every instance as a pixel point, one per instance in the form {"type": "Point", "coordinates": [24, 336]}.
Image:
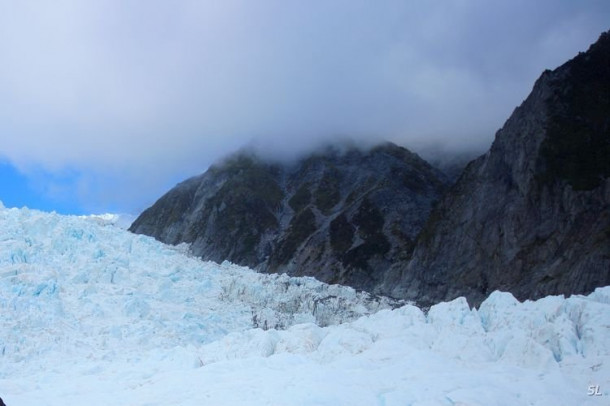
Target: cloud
{"type": "Point", "coordinates": [133, 96]}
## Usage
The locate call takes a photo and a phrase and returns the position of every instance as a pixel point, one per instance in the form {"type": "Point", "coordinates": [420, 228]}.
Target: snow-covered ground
{"type": "Point", "coordinates": [93, 315]}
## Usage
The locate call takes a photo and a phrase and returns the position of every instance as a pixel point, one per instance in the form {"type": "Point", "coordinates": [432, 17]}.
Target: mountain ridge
{"type": "Point", "coordinates": [530, 216]}
{"type": "Point", "coordinates": [320, 216]}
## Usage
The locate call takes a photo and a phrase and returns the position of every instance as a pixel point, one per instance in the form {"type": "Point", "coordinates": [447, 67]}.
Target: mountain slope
{"type": "Point", "coordinates": [343, 216]}
{"type": "Point", "coordinates": [532, 216]}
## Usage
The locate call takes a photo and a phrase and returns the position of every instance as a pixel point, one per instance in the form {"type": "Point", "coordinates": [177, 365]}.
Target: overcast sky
{"type": "Point", "coordinates": [104, 105]}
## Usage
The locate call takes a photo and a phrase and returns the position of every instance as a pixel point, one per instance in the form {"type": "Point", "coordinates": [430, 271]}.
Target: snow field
{"type": "Point", "coordinates": [91, 314]}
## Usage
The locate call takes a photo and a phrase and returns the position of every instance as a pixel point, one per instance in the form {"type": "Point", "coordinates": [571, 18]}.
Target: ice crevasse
{"type": "Point", "coordinates": [91, 314]}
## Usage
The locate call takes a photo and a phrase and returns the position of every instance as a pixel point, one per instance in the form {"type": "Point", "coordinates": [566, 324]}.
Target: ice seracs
{"type": "Point", "coordinates": [91, 314]}
{"type": "Point", "coordinates": [90, 288]}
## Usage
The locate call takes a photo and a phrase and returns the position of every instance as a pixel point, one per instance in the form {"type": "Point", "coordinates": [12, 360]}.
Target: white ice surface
{"type": "Point", "coordinates": [93, 315]}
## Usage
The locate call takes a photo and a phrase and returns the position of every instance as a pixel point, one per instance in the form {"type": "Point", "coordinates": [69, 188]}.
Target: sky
{"type": "Point", "coordinates": [106, 104]}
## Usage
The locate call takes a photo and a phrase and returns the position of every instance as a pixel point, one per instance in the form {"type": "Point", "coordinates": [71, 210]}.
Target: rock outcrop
{"type": "Point", "coordinates": [531, 216]}
{"type": "Point", "coordinates": [342, 216]}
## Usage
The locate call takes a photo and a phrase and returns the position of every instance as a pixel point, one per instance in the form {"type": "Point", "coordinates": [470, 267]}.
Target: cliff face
{"type": "Point", "coordinates": [531, 216]}
{"type": "Point", "coordinates": [340, 216]}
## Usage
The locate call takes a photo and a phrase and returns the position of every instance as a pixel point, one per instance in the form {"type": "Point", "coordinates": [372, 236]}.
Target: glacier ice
{"type": "Point", "coordinates": [91, 314]}
{"type": "Point", "coordinates": [112, 288]}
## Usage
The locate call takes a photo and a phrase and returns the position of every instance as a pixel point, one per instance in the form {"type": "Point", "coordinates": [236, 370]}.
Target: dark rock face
{"type": "Point", "coordinates": [340, 216]}
{"type": "Point", "coordinates": [532, 216]}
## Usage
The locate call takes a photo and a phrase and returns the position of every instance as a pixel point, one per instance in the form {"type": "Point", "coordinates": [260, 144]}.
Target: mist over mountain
{"type": "Point", "coordinates": [449, 161]}
{"type": "Point", "coordinates": [341, 214]}
{"type": "Point", "coordinates": [530, 216]}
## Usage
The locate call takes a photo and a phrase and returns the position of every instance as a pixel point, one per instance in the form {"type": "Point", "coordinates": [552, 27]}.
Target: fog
{"type": "Point", "coordinates": [111, 102]}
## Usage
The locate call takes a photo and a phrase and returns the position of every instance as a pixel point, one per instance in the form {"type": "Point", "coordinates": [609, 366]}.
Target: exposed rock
{"type": "Point", "coordinates": [343, 216]}
{"type": "Point", "coordinates": [532, 216]}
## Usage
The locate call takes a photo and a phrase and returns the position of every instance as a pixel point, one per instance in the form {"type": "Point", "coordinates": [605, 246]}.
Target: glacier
{"type": "Point", "coordinates": [92, 314]}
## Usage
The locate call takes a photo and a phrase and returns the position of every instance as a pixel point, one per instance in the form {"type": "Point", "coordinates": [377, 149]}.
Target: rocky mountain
{"type": "Point", "coordinates": [342, 215]}
{"type": "Point", "coordinates": [531, 216]}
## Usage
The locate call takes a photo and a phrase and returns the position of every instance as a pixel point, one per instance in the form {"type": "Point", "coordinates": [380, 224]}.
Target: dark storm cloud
{"type": "Point", "coordinates": [133, 96]}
